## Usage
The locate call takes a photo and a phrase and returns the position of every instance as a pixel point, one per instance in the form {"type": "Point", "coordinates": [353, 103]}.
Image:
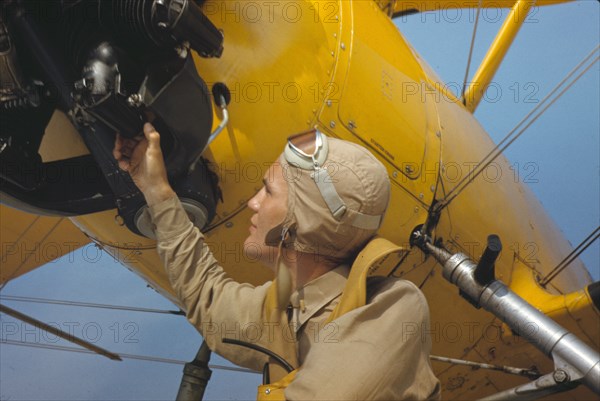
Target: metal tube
{"type": "Point", "coordinates": [545, 385]}
{"type": "Point", "coordinates": [570, 354]}
{"type": "Point", "coordinates": [196, 375]}
{"type": "Point", "coordinates": [44, 54]}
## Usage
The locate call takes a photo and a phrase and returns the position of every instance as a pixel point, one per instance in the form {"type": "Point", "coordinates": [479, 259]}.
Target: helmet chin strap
{"type": "Point", "coordinates": [283, 281]}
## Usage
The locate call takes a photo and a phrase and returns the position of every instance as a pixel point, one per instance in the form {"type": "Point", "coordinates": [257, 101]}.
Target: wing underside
{"type": "Point", "coordinates": [28, 241]}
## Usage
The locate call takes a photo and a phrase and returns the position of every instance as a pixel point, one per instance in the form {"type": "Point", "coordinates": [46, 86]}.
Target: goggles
{"type": "Point", "coordinates": [296, 154]}
{"type": "Point", "coordinates": [305, 140]}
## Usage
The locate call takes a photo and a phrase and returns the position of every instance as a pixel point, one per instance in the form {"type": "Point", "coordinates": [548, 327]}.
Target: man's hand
{"type": "Point", "coordinates": [142, 158]}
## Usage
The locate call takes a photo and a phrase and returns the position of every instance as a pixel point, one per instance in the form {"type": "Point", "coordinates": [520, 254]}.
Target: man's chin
{"type": "Point", "coordinates": [262, 253]}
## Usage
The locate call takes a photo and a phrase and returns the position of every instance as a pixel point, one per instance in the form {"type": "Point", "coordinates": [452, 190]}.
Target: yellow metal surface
{"type": "Point", "coordinates": [28, 241]}
{"type": "Point", "coordinates": [61, 140]}
{"type": "Point", "coordinates": [490, 64]}
{"type": "Point", "coordinates": [343, 65]}
{"type": "Point", "coordinates": [394, 127]}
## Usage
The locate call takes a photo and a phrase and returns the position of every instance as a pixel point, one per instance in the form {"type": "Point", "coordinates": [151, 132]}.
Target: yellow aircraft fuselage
{"type": "Point", "coordinates": [345, 67]}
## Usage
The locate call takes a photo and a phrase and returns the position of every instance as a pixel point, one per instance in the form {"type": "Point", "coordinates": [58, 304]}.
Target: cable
{"type": "Point", "coordinates": [464, 87]}
{"type": "Point", "coordinates": [499, 149]}
{"type": "Point", "coordinates": [258, 348]}
{"type": "Point", "coordinates": [531, 373]}
{"type": "Point", "coordinates": [571, 257]}
{"type": "Point", "coordinates": [123, 356]}
{"type": "Point", "coordinates": [87, 304]}
{"type": "Point", "coordinates": [14, 273]}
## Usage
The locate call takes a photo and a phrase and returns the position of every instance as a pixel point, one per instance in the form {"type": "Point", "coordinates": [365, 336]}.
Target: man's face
{"type": "Point", "coordinates": [270, 208]}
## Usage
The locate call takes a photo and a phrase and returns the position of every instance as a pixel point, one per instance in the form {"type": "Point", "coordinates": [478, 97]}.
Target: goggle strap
{"type": "Point", "coordinates": [336, 205]}
{"type": "Point", "coordinates": [366, 221]}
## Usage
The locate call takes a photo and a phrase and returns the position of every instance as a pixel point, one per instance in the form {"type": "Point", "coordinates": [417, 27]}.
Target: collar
{"type": "Point", "coordinates": [317, 293]}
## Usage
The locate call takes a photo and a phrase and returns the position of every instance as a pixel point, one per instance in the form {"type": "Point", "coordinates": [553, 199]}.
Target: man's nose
{"type": "Point", "coordinates": [254, 203]}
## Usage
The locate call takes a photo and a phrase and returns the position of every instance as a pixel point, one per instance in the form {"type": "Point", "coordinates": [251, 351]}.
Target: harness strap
{"type": "Point", "coordinates": [375, 259]}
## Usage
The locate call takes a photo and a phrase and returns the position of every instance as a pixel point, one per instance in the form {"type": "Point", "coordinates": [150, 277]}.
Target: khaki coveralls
{"type": "Point", "coordinates": [376, 352]}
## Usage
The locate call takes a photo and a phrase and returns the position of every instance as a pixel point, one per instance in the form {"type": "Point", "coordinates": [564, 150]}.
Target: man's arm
{"type": "Point", "coordinates": [215, 304]}
{"type": "Point", "coordinates": [376, 352]}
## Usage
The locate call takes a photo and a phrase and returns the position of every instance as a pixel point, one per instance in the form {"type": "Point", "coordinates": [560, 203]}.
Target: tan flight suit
{"type": "Point", "coordinates": [376, 352]}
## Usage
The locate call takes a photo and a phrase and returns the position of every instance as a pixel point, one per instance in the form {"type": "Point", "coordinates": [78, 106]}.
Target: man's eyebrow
{"type": "Point", "coordinates": [265, 183]}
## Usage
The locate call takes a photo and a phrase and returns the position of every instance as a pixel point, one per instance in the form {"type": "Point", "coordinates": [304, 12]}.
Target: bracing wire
{"type": "Point", "coordinates": [589, 240]}
{"type": "Point", "coordinates": [464, 86]}
{"type": "Point", "coordinates": [86, 304]}
{"type": "Point", "coordinates": [513, 135]}
{"type": "Point", "coordinates": [123, 356]}
{"type": "Point", "coordinates": [531, 373]}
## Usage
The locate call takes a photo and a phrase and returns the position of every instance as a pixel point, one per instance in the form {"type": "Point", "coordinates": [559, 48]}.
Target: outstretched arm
{"type": "Point", "coordinates": [215, 304]}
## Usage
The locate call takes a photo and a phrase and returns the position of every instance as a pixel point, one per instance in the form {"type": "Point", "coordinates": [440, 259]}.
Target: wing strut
{"type": "Point", "coordinates": [58, 332]}
{"type": "Point", "coordinates": [496, 53]}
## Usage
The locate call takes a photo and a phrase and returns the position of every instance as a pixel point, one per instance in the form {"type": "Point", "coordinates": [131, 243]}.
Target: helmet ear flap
{"type": "Point", "coordinates": [284, 232]}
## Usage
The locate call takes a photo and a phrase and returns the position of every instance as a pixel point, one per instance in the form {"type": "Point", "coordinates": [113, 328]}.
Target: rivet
{"type": "Point", "coordinates": [332, 54]}
{"type": "Point", "coordinates": [351, 124]}
{"type": "Point", "coordinates": [432, 188]}
{"type": "Point", "coordinates": [329, 103]}
{"type": "Point", "coordinates": [343, 46]}
{"type": "Point", "coordinates": [409, 169]}
{"type": "Point", "coordinates": [438, 134]}
{"type": "Point", "coordinates": [229, 224]}
{"type": "Point", "coordinates": [268, 391]}
{"type": "Point", "coordinates": [332, 124]}
{"type": "Point", "coordinates": [119, 220]}
{"type": "Point", "coordinates": [335, 35]}
{"type": "Point", "coordinates": [416, 209]}
{"type": "Point", "coordinates": [560, 376]}
{"type": "Point", "coordinates": [395, 174]}
{"type": "Point", "coordinates": [421, 196]}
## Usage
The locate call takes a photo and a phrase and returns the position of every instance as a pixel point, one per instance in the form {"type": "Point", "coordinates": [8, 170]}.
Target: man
{"type": "Point", "coordinates": [322, 202]}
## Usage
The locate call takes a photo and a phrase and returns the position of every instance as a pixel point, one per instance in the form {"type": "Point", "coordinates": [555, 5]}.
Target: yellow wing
{"type": "Point", "coordinates": [398, 8]}
{"type": "Point", "coordinates": [29, 241]}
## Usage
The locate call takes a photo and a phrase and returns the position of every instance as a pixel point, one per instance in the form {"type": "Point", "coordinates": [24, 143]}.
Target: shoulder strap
{"type": "Point", "coordinates": [374, 259]}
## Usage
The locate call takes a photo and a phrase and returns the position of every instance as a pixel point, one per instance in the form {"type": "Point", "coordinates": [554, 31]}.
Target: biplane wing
{"type": "Point", "coordinates": [398, 8]}
{"type": "Point", "coordinates": [30, 241]}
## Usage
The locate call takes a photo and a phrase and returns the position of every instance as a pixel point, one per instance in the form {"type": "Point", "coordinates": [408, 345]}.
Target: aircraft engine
{"type": "Point", "coordinates": [110, 65]}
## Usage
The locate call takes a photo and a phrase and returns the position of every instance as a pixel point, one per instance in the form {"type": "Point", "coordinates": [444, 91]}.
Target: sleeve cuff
{"type": "Point", "coordinates": [169, 219]}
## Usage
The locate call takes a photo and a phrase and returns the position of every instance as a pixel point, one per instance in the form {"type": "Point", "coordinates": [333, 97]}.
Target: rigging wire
{"type": "Point", "coordinates": [589, 240]}
{"type": "Point", "coordinates": [464, 86]}
{"type": "Point", "coordinates": [531, 373]}
{"type": "Point", "coordinates": [21, 235]}
{"type": "Point", "coordinates": [501, 147]}
{"type": "Point", "coordinates": [123, 356]}
{"type": "Point", "coordinates": [87, 304]}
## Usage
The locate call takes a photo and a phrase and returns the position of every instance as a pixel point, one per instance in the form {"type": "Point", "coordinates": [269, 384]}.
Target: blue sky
{"type": "Point", "coordinates": [560, 153]}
